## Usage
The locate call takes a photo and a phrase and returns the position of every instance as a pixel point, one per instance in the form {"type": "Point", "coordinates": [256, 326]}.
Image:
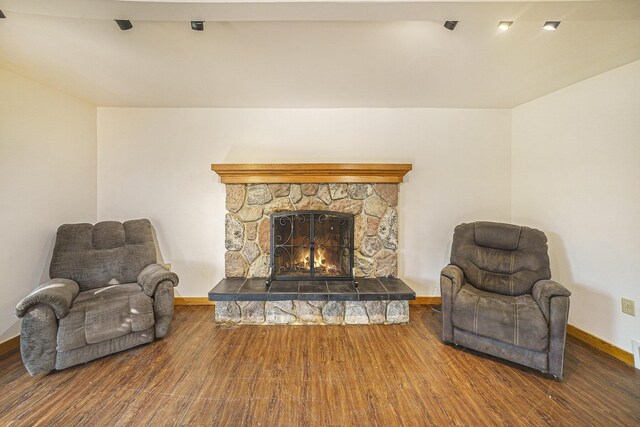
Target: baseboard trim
{"type": "Point", "coordinates": [600, 344]}
{"type": "Point", "coordinates": [192, 301]}
{"type": "Point", "coordinates": [426, 301]}
{"type": "Point", "coordinates": [9, 345]}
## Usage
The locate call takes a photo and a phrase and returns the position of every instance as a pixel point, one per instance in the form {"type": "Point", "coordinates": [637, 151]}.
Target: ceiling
{"type": "Point", "coordinates": [305, 54]}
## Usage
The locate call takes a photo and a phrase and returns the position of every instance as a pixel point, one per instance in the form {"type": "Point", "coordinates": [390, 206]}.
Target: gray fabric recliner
{"type": "Point", "coordinates": [107, 294]}
{"type": "Point", "coordinates": [497, 296]}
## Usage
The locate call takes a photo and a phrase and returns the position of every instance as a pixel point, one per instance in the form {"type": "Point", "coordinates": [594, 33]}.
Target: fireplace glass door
{"type": "Point", "coordinates": [311, 245]}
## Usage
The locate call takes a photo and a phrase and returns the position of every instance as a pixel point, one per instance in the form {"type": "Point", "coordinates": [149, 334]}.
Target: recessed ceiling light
{"type": "Point", "coordinates": [551, 25]}
{"type": "Point", "coordinates": [124, 24]}
{"type": "Point", "coordinates": [2, 15]}
{"type": "Point", "coordinates": [450, 25]}
{"type": "Point", "coordinates": [197, 25]}
{"type": "Point", "coordinates": [504, 25]}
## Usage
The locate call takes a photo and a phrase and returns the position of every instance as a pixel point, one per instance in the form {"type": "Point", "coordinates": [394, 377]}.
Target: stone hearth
{"type": "Point", "coordinates": [373, 301]}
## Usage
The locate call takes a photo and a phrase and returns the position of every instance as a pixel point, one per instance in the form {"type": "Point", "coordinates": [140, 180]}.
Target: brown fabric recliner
{"type": "Point", "coordinates": [497, 296]}
{"type": "Point", "coordinates": [107, 294]}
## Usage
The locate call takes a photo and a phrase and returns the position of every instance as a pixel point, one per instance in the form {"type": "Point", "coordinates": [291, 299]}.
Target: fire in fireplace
{"type": "Point", "coordinates": [311, 245]}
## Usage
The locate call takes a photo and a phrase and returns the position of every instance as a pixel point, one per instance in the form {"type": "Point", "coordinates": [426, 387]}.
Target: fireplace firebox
{"type": "Point", "coordinates": [312, 245]}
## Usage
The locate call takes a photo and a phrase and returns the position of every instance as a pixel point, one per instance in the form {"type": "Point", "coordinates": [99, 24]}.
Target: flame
{"type": "Point", "coordinates": [319, 258]}
{"type": "Point", "coordinates": [319, 261]}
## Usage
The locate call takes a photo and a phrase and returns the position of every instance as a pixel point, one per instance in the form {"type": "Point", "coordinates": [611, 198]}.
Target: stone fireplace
{"type": "Point", "coordinates": [250, 207]}
{"type": "Point", "coordinates": [308, 252]}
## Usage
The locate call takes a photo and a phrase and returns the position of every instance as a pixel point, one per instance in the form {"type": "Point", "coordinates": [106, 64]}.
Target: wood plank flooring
{"type": "Point", "coordinates": [207, 374]}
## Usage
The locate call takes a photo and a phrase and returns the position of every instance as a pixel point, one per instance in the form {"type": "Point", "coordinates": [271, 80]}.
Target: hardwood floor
{"type": "Point", "coordinates": [206, 374]}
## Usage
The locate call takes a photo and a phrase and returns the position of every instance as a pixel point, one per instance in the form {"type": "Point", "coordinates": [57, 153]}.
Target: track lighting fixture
{"type": "Point", "coordinates": [504, 25]}
{"type": "Point", "coordinates": [197, 25]}
{"type": "Point", "coordinates": [124, 24]}
{"type": "Point", "coordinates": [450, 25]}
{"type": "Point", "coordinates": [2, 16]}
{"type": "Point", "coordinates": [551, 25]}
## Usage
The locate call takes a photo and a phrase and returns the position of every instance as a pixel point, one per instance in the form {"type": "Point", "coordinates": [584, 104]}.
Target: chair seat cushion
{"type": "Point", "coordinates": [105, 313]}
{"type": "Point", "coordinates": [515, 320]}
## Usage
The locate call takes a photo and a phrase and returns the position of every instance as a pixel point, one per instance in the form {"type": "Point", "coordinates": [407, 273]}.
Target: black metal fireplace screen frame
{"type": "Point", "coordinates": [279, 242]}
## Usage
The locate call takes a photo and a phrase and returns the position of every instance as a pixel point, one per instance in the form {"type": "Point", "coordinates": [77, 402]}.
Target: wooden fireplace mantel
{"type": "Point", "coordinates": [311, 172]}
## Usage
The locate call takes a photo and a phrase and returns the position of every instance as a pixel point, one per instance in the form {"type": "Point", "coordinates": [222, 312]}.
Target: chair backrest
{"type": "Point", "coordinates": [502, 258]}
{"type": "Point", "coordinates": [107, 253]}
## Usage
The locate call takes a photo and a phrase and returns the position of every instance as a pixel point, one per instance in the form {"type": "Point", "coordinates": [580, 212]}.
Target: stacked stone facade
{"type": "Point", "coordinates": [312, 312]}
{"type": "Point", "coordinates": [247, 223]}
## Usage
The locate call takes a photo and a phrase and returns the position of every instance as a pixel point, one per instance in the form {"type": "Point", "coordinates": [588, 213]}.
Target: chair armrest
{"type": "Point", "coordinates": [455, 275]}
{"type": "Point", "coordinates": [38, 339]}
{"type": "Point", "coordinates": [451, 281]}
{"type": "Point", "coordinates": [152, 275]}
{"type": "Point", "coordinates": [56, 293]}
{"type": "Point", "coordinates": [544, 290]}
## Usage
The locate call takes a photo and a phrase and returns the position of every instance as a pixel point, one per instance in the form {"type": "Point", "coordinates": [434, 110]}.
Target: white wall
{"type": "Point", "coordinates": [568, 163]}
{"type": "Point", "coordinates": [47, 177]}
{"type": "Point", "coordinates": [576, 175]}
{"type": "Point", "coordinates": [155, 163]}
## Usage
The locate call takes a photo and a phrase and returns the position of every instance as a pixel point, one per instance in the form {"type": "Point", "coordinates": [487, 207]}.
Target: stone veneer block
{"type": "Point", "coordinates": [278, 205]}
{"type": "Point", "coordinates": [227, 312]}
{"type": "Point", "coordinates": [363, 266]}
{"type": "Point", "coordinates": [235, 197]}
{"type": "Point", "coordinates": [235, 265]}
{"type": "Point", "coordinates": [251, 251]}
{"type": "Point", "coordinates": [354, 207]}
{"type": "Point", "coordinates": [264, 235]}
{"type": "Point", "coordinates": [370, 246]}
{"type": "Point", "coordinates": [375, 206]}
{"type": "Point", "coordinates": [251, 230]}
{"type": "Point", "coordinates": [398, 312]}
{"type": "Point", "coordinates": [279, 312]}
{"type": "Point", "coordinates": [280, 190]}
{"type": "Point", "coordinates": [371, 229]}
{"type": "Point", "coordinates": [324, 194]}
{"type": "Point", "coordinates": [295, 194]}
{"type": "Point", "coordinates": [260, 267]}
{"type": "Point", "coordinates": [234, 233]}
{"type": "Point", "coordinates": [251, 312]}
{"type": "Point", "coordinates": [250, 213]}
{"type": "Point", "coordinates": [388, 229]}
{"type": "Point", "coordinates": [333, 313]}
{"type": "Point", "coordinates": [338, 191]}
{"type": "Point", "coordinates": [311, 204]}
{"type": "Point", "coordinates": [376, 311]}
{"type": "Point", "coordinates": [355, 313]}
{"type": "Point", "coordinates": [308, 312]}
{"type": "Point", "coordinates": [359, 225]}
{"type": "Point", "coordinates": [310, 189]}
{"type": "Point", "coordinates": [385, 264]}
{"type": "Point", "coordinates": [389, 192]}
{"type": "Point", "coordinates": [360, 191]}
{"type": "Point", "coordinates": [258, 194]}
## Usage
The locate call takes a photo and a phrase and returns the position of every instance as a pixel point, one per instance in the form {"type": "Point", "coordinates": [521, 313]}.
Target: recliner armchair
{"type": "Point", "coordinates": [497, 296]}
{"type": "Point", "coordinates": [107, 294]}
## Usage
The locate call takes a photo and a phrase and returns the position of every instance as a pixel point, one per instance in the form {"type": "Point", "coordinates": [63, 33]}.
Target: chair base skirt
{"type": "Point", "coordinates": [533, 359]}
{"type": "Point", "coordinates": [66, 359]}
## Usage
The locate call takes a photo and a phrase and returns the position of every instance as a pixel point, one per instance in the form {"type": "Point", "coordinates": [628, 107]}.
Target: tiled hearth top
{"type": "Point", "coordinates": [254, 289]}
